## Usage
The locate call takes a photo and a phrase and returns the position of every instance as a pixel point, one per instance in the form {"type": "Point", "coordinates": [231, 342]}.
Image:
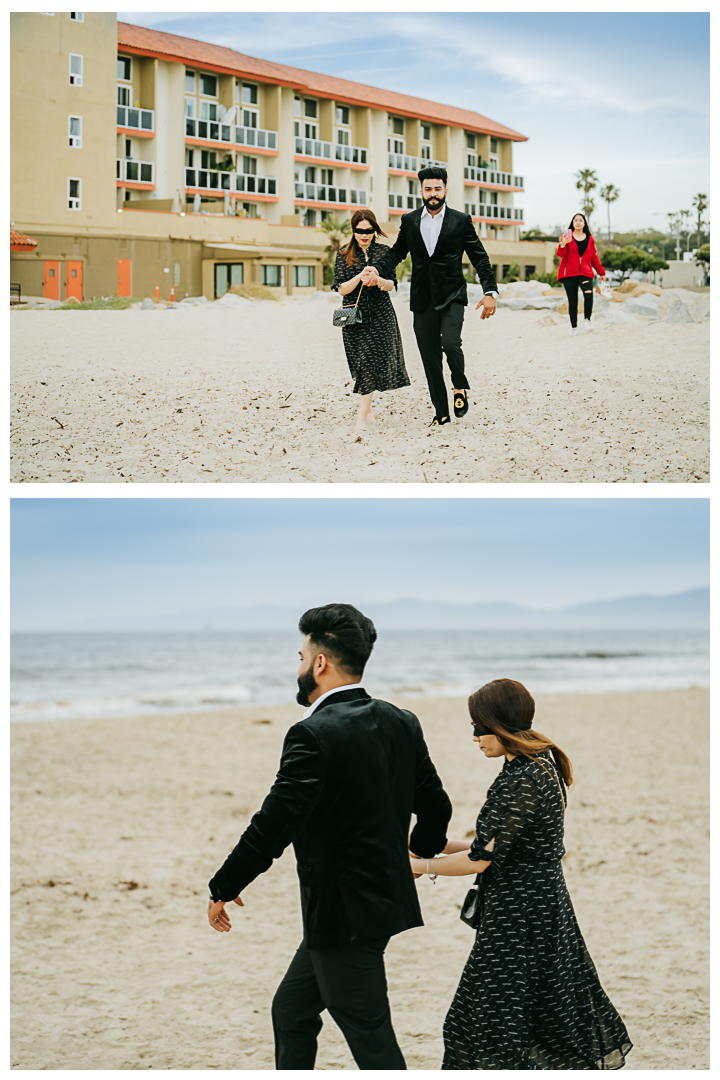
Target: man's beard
{"type": "Point", "coordinates": [436, 200]}
{"type": "Point", "coordinates": [306, 685]}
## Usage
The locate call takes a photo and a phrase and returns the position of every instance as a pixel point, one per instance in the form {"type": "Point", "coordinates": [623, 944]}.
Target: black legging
{"type": "Point", "coordinates": [571, 285]}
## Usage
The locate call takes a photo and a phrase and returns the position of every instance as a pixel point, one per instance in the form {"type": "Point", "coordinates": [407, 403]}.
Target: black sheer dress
{"type": "Point", "coordinates": [374, 347]}
{"type": "Point", "coordinates": [529, 997]}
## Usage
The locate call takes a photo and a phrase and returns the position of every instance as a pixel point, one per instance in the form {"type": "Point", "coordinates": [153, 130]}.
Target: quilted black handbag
{"type": "Point", "coordinates": [350, 315]}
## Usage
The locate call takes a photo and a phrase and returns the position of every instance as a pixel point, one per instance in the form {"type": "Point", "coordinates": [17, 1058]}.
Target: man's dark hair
{"type": "Point", "coordinates": [433, 172]}
{"type": "Point", "coordinates": [343, 632]}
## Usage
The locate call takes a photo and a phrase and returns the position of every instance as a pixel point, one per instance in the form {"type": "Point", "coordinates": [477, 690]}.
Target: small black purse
{"type": "Point", "coordinates": [350, 315]}
{"type": "Point", "coordinates": [473, 906]}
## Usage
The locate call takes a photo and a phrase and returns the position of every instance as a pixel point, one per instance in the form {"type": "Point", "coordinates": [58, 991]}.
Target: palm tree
{"type": "Point", "coordinates": [609, 193]}
{"type": "Point", "coordinates": [685, 217]}
{"type": "Point", "coordinates": [586, 181]}
{"type": "Point", "coordinates": [336, 232]}
{"type": "Point", "coordinates": [700, 204]}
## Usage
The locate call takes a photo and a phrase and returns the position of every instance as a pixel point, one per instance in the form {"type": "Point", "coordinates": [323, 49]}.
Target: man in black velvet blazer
{"type": "Point", "coordinates": [436, 237]}
{"type": "Point", "coordinates": [352, 773]}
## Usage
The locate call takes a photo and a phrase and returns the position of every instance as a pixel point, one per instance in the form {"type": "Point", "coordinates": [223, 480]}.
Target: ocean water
{"type": "Point", "coordinates": [56, 676]}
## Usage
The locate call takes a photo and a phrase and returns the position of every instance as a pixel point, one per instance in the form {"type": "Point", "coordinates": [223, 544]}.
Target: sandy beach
{"type": "Point", "coordinates": [262, 394]}
{"type": "Point", "coordinates": [118, 825]}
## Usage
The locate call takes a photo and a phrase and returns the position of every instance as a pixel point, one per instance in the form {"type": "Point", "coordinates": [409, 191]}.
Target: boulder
{"type": "Point", "coordinates": [613, 316]}
{"type": "Point", "coordinates": [319, 295]}
{"type": "Point", "coordinates": [194, 301]}
{"type": "Point", "coordinates": [647, 288]}
{"type": "Point", "coordinates": [644, 304]}
{"type": "Point", "coordinates": [231, 300]}
{"type": "Point", "coordinates": [147, 304]}
{"type": "Point", "coordinates": [700, 309]}
{"type": "Point", "coordinates": [525, 289]}
{"type": "Point", "coordinates": [333, 297]}
{"type": "Point", "coordinates": [515, 303]}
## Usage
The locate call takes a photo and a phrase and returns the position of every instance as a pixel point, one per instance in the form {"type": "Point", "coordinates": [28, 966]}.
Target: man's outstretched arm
{"type": "Point", "coordinates": [399, 250]}
{"type": "Point", "coordinates": [432, 807]}
{"type": "Point", "coordinates": [286, 807]}
{"type": "Point", "coordinates": [478, 256]}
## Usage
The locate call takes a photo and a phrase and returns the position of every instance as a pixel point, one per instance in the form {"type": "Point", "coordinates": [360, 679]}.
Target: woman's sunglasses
{"type": "Point", "coordinates": [364, 232]}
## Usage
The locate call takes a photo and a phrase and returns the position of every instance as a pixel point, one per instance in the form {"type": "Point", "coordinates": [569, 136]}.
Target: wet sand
{"type": "Point", "coordinates": [119, 824]}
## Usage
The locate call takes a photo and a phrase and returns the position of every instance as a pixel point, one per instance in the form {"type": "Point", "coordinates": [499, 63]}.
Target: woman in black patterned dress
{"type": "Point", "coordinates": [373, 347]}
{"type": "Point", "coordinates": [529, 997]}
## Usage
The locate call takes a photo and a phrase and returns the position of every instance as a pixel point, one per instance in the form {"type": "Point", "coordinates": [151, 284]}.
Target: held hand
{"type": "Point", "coordinates": [369, 275]}
{"type": "Point", "coordinates": [418, 866]}
{"type": "Point", "coordinates": [488, 305]}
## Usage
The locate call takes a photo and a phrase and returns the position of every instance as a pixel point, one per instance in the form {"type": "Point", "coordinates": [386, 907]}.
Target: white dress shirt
{"type": "Point", "coordinates": [335, 690]}
{"type": "Point", "coordinates": [430, 226]}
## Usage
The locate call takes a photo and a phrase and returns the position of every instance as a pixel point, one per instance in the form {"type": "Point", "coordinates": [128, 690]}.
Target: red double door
{"type": "Point", "coordinates": [73, 279]}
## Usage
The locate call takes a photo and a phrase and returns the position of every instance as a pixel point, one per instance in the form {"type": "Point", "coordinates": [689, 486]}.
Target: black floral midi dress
{"type": "Point", "coordinates": [374, 347]}
{"type": "Point", "coordinates": [529, 997]}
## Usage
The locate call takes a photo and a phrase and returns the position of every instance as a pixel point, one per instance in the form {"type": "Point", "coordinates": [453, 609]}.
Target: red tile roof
{"type": "Point", "coordinates": [139, 40]}
{"type": "Point", "coordinates": [20, 242]}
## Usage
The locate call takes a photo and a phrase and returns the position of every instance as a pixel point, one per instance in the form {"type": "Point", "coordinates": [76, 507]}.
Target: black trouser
{"type": "Point", "coordinates": [438, 332]}
{"type": "Point", "coordinates": [571, 288]}
{"type": "Point", "coordinates": [350, 983]}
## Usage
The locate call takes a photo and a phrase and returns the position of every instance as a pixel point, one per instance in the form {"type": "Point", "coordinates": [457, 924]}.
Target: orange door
{"type": "Point", "coordinates": [51, 280]}
{"type": "Point", "coordinates": [73, 280]}
{"type": "Point", "coordinates": [124, 277]}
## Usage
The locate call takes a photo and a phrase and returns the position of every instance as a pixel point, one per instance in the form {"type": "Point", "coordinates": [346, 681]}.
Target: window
{"type": "Point", "coordinates": [189, 157]}
{"type": "Point", "coordinates": [190, 107]}
{"type": "Point", "coordinates": [249, 118]}
{"type": "Point", "coordinates": [208, 110]}
{"type": "Point", "coordinates": [493, 198]}
{"type": "Point", "coordinates": [124, 68]}
{"type": "Point", "coordinates": [250, 209]}
{"type": "Point", "coordinates": [298, 107]}
{"type": "Point", "coordinates": [343, 137]}
{"type": "Point", "coordinates": [472, 160]}
{"type": "Point", "coordinates": [274, 276]}
{"type": "Point", "coordinates": [529, 271]}
{"type": "Point", "coordinates": [76, 69]}
{"type": "Point", "coordinates": [469, 140]}
{"type": "Point", "coordinates": [310, 174]}
{"type": "Point", "coordinates": [309, 217]}
{"type": "Point", "coordinates": [208, 85]}
{"type": "Point", "coordinates": [124, 95]}
{"type": "Point", "coordinates": [75, 131]}
{"type": "Point", "coordinates": [128, 148]}
{"type": "Point", "coordinates": [412, 186]}
{"type": "Point", "coordinates": [176, 274]}
{"type": "Point", "coordinates": [77, 16]}
{"type": "Point", "coordinates": [227, 275]}
{"type": "Point", "coordinates": [311, 131]}
{"type": "Point", "coordinates": [249, 94]}
{"type": "Point", "coordinates": [425, 152]}
{"type": "Point", "coordinates": [425, 132]}
{"type": "Point", "coordinates": [303, 277]}
{"type": "Point", "coordinates": [297, 128]}
{"type": "Point", "coordinates": [74, 193]}
{"type": "Point", "coordinates": [249, 166]}
{"type": "Point", "coordinates": [190, 86]}
{"type": "Point", "coordinates": [493, 145]}
{"type": "Point", "coordinates": [396, 146]}
{"type": "Point", "coordinates": [398, 125]}
{"type": "Point", "coordinates": [342, 114]}
{"type": "Point", "coordinates": [494, 164]}
{"type": "Point", "coordinates": [311, 108]}
{"type": "Point", "coordinates": [237, 92]}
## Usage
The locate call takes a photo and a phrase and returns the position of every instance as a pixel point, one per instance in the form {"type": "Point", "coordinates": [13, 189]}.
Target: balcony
{"type": "Point", "coordinates": [352, 155]}
{"type": "Point", "coordinates": [407, 163]}
{"type": "Point", "coordinates": [140, 120]}
{"type": "Point", "coordinates": [135, 172]}
{"type": "Point", "coordinates": [230, 134]}
{"type": "Point", "coordinates": [489, 210]}
{"type": "Point", "coordinates": [215, 180]}
{"type": "Point", "coordinates": [404, 202]}
{"type": "Point", "coordinates": [487, 176]}
{"type": "Point", "coordinates": [330, 193]}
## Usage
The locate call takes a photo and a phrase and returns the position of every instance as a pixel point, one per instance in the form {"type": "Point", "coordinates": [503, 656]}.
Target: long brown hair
{"type": "Point", "coordinates": [504, 708]}
{"type": "Point", "coordinates": [351, 251]}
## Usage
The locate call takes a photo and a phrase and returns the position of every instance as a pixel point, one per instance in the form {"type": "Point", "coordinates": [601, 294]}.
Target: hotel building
{"type": "Point", "coordinates": [170, 162]}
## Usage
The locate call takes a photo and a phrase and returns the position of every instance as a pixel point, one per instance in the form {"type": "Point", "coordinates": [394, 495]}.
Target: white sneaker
{"type": "Point", "coordinates": [588, 326]}
{"type": "Point", "coordinates": [573, 331]}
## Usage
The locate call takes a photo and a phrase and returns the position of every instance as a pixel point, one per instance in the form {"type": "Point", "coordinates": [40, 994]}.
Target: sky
{"type": "Point", "coordinates": [78, 559]}
{"type": "Point", "coordinates": [624, 93]}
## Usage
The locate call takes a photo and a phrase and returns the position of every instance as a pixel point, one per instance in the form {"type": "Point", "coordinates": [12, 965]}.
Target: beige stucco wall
{"type": "Point", "coordinates": [41, 101]}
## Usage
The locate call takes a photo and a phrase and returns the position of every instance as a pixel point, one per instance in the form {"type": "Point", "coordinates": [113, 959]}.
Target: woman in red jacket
{"type": "Point", "coordinates": [578, 262]}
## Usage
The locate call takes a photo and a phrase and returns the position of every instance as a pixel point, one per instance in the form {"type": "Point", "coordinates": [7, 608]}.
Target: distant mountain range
{"type": "Point", "coordinates": [685, 610]}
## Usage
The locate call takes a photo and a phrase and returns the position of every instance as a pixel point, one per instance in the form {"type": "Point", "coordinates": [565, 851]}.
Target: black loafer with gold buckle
{"type": "Point", "coordinates": [460, 403]}
{"type": "Point", "coordinates": [438, 421]}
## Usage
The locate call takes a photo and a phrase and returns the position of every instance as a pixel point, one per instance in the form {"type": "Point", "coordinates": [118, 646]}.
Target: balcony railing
{"type": "Point", "coordinates": [217, 180]}
{"type": "Point", "coordinates": [137, 119]}
{"type": "Point", "coordinates": [216, 131]}
{"type": "Point", "coordinates": [487, 176]}
{"type": "Point", "coordinates": [504, 213]}
{"type": "Point", "coordinates": [407, 202]}
{"type": "Point", "coordinates": [136, 172]}
{"type": "Point", "coordinates": [402, 161]}
{"type": "Point", "coordinates": [354, 155]}
{"type": "Point", "coordinates": [330, 193]}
